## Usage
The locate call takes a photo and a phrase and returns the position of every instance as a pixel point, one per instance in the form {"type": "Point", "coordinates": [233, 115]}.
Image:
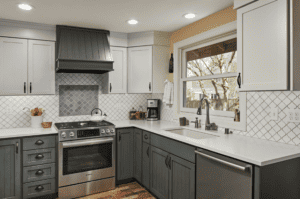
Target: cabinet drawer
{"type": "Point", "coordinates": [42, 142]}
{"type": "Point", "coordinates": [146, 136]}
{"type": "Point", "coordinates": [40, 156]}
{"type": "Point", "coordinates": [39, 172]}
{"type": "Point", "coordinates": [179, 149]}
{"type": "Point", "coordinates": [39, 188]}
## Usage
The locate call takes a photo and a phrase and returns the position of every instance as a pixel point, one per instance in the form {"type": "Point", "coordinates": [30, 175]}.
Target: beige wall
{"type": "Point", "coordinates": [212, 21]}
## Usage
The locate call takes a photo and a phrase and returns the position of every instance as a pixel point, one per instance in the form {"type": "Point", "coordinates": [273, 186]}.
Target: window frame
{"type": "Point", "coordinates": [221, 118]}
{"type": "Point", "coordinates": [184, 78]}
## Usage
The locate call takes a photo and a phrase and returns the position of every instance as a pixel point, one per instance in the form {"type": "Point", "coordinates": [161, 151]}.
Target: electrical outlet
{"type": "Point", "coordinates": [297, 116]}
{"type": "Point", "coordinates": [293, 115]}
{"type": "Point", "coordinates": [274, 113]}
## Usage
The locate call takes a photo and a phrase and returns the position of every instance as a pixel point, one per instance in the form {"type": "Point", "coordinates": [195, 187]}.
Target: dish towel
{"type": "Point", "coordinates": [169, 93]}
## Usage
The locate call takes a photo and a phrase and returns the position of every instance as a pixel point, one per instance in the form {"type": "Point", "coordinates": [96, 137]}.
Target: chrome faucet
{"type": "Point", "coordinates": [208, 125]}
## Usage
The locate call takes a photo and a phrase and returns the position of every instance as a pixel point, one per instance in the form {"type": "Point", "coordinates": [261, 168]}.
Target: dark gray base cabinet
{"type": "Point", "coordinates": [10, 169]}
{"type": "Point", "coordinates": [124, 154]}
{"type": "Point", "coordinates": [137, 154]}
{"type": "Point", "coordinates": [146, 165]}
{"type": "Point", "coordinates": [171, 177]}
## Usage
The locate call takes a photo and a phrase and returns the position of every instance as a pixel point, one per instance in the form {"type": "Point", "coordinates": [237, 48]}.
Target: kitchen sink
{"type": "Point", "coordinates": [191, 133]}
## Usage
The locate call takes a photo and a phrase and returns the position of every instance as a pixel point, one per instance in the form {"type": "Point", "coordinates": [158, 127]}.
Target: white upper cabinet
{"type": "Point", "coordinates": [41, 67]}
{"type": "Point", "coordinates": [241, 3]}
{"type": "Point", "coordinates": [13, 65]}
{"type": "Point", "coordinates": [263, 53]}
{"type": "Point", "coordinates": [118, 77]}
{"type": "Point", "coordinates": [140, 69]}
{"type": "Point", "coordinates": [27, 67]}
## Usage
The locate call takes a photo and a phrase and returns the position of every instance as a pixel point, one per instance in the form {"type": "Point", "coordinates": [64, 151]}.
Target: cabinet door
{"type": "Point", "coordinates": [137, 164]}
{"type": "Point", "coordinates": [263, 45]}
{"type": "Point", "coordinates": [241, 3]}
{"type": "Point", "coordinates": [125, 154]}
{"type": "Point", "coordinates": [41, 67]}
{"type": "Point", "coordinates": [159, 173]}
{"type": "Point", "coordinates": [146, 165]}
{"type": "Point", "coordinates": [13, 65]}
{"type": "Point", "coordinates": [118, 77]}
{"type": "Point", "coordinates": [10, 169]}
{"type": "Point", "coordinates": [140, 70]}
{"type": "Point", "coordinates": [182, 179]}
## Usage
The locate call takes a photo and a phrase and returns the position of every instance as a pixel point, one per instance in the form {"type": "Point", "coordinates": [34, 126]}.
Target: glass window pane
{"type": "Point", "coordinates": [222, 93]}
{"type": "Point", "coordinates": [215, 59]}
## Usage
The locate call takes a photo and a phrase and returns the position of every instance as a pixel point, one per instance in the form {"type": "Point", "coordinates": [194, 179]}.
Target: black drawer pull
{"type": "Point", "coordinates": [39, 188]}
{"type": "Point", "coordinates": [24, 87]}
{"type": "Point", "coordinates": [239, 80]}
{"type": "Point", "coordinates": [39, 172]}
{"type": "Point", "coordinates": [146, 137]}
{"type": "Point", "coordinates": [39, 156]}
{"type": "Point", "coordinates": [39, 142]}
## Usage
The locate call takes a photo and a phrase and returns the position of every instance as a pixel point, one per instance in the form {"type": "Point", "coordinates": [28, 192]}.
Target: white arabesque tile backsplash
{"type": "Point", "coordinates": [117, 106]}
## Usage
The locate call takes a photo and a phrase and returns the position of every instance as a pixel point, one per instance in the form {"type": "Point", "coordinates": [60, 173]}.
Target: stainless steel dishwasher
{"type": "Point", "coordinates": [218, 176]}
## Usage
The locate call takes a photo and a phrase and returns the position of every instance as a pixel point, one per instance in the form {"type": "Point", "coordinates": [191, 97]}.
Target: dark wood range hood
{"type": "Point", "coordinates": [82, 50]}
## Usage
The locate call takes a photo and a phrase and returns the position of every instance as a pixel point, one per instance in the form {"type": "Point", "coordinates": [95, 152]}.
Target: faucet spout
{"type": "Point", "coordinates": [199, 112]}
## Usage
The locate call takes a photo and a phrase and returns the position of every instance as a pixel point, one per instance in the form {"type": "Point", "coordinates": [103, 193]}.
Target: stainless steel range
{"type": "Point", "coordinates": [86, 158]}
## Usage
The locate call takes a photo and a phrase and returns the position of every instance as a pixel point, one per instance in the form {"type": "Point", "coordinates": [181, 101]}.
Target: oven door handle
{"type": "Point", "coordinates": [86, 142]}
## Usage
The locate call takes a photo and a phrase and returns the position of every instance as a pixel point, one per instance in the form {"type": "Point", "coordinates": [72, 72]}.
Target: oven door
{"type": "Point", "coordinates": [86, 160]}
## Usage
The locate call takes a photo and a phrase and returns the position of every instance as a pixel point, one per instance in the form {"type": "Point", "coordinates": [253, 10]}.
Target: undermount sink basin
{"type": "Point", "coordinates": [190, 133]}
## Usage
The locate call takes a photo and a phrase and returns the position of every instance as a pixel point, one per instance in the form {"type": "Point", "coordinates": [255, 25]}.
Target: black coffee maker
{"type": "Point", "coordinates": [153, 110]}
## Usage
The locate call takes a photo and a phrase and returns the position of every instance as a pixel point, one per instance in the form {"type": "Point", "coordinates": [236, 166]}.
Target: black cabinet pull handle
{"type": "Point", "coordinates": [39, 156]}
{"type": "Point", "coordinates": [30, 87]}
{"type": "Point", "coordinates": [149, 86]}
{"type": "Point", "coordinates": [148, 151]}
{"type": "Point", "coordinates": [39, 142]}
{"type": "Point", "coordinates": [39, 172]}
{"type": "Point", "coordinates": [166, 161]}
{"type": "Point", "coordinates": [170, 163]}
{"type": "Point", "coordinates": [24, 87]}
{"type": "Point", "coordinates": [17, 147]}
{"type": "Point", "coordinates": [119, 138]}
{"type": "Point", "coordinates": [39, 188]}
{"type": "Point", "coordinates": [239, 80]}
{"type": "Point", "coordinates": [146, 137]}
{"type": "Point", "coordinates": [110, 87]}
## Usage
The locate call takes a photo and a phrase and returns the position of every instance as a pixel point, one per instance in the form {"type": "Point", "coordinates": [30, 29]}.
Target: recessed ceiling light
{"type": "Point", "coordinates": [132, 21]}
{"type": "Point", "coordinates": [25, 6]}
{"type": "Point", "coordinates": [189, 16]}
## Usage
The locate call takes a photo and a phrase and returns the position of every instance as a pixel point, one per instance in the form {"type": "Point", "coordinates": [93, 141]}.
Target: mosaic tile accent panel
{"type": "Point", "coordinates": [77, 99]}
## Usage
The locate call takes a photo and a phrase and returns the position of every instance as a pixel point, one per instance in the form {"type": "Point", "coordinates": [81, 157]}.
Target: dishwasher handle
{"type": "Point", "coordinates": [224, 162]}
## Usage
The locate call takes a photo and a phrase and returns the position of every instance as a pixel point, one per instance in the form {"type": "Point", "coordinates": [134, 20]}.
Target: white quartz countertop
{"type": "Point", "coordinates": [24, 132]}
{"type": "Point", "coordinates": [252, 150]}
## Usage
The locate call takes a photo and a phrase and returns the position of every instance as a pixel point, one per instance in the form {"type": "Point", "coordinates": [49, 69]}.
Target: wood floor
{"type": "Point", "coordinates": [124, 191]}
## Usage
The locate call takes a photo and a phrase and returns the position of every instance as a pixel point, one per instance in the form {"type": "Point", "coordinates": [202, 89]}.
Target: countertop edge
{"type": "Point", "coordinates": [255, 162]}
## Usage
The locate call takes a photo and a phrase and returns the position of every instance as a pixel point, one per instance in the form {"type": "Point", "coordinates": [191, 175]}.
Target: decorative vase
{"type": "Point", "coordinates": [36, 121]}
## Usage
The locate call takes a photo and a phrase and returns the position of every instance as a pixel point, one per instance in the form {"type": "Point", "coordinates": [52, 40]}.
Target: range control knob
{"type": "Point", "coordinates": [63, 134]}
{"type": "Point", "coordinates": [107, 131]}
{"type": "Point", "coordinates": [112, 131]}
{"type": "Point", "coordinates": [72, 134]}
{"type": "Point", "coordinates": [102, 131]}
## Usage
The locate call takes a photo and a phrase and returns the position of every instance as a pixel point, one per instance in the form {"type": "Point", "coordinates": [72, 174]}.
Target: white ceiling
{"type": "Point", "coordinates": [161, 15]}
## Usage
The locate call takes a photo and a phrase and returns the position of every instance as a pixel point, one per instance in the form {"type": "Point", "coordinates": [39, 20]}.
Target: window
{"type": "Point", "coordinates": [206, 65]}
{"type": "Point", "coordinates": [210, 71]}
